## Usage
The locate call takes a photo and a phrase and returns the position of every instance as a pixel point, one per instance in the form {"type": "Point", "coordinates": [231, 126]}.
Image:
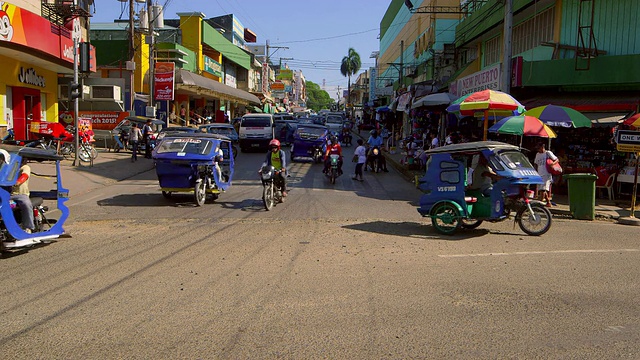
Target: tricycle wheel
{"type": "Point", "coordinates": [200, 193]}
{"type": "Point", "coordinates": [535, 222]}
{"type": "Point", "coordinates": [445, 218]}
{"type": "Point", "coordinates": [214, 197]}
{"type": "Point", "coordinates": [166, 194]}
{"type": "Point", "coordinates": [235, 151]}
{"type": "Point", "coordinates": [267, 197]}
{"type": "Point", "coordinates": [471, 223]}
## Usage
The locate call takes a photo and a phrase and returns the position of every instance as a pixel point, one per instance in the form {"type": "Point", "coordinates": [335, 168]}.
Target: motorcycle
{"type": "Point", "coordinates": [272, 187]}
{"type": "Point", "coordinates": [373, 159]}
{"type": "Point", "coordinates": [346, 139]}
{"type": "Point", "coordinates": [333, 172]}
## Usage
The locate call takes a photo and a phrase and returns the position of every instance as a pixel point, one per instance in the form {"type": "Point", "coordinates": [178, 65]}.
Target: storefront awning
{"type": "Point", "coordinates": [595, 102]}
{"type": "Point", "coordinates": [202, 85]}
{"type": "Point", "coordinates": [605, 119]}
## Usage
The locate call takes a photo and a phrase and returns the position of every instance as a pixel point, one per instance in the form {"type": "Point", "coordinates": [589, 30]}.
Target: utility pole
{"type": "Point", "coordinates": [506, 63]}
{"type": "Point", "coordinates": [151, 50]}
{"type": "Point", "coordinates": [132, 51]}
{"type": "Point", "coordinates": [76, 103]}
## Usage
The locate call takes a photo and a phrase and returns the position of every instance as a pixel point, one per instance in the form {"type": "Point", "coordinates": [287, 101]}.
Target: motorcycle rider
{"type": "Point", "coordinates": [277, 158]}
{"type": "Point", "coordinates": [333, 148]}
{"type": "Point", "coordinates": [375, 141]}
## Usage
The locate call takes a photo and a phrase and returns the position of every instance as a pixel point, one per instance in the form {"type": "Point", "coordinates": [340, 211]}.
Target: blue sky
{"type": "Point", "coordinates": [317, 33]}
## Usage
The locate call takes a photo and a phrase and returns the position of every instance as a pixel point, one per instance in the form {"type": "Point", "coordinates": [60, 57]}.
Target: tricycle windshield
{"type": "Point", "coordinates": [185, 146]}
{"type": "Point", "coordinates": [310, 132]}
{"type": "Point", "coordinates": [515, 160]}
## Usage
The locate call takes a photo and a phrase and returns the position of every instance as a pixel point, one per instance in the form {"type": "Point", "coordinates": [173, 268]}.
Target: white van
{"type": "Point", "coordinates": [256, 131]}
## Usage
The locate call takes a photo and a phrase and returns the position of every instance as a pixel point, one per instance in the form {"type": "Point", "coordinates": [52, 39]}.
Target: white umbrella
{"type": "Point", "coordinates": [437, 99]}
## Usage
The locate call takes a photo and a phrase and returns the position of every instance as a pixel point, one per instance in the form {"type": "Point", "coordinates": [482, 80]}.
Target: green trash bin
{"type": "Point", "coordinates": [582, 195]}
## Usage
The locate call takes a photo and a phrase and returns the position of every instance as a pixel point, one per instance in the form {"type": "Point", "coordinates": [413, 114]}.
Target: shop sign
{"type": "Point", "coordinates": [488, 78]}
{"type": "Point", "coordinates": [212, 67]}
{"type": "Point", "coordinates": [628, 141]}
{"type": "Point", "coordinates": [265, 77]}
{"type": "Point", "coordinates": [164, 80]}
{"type": "Point", "coordinates": [372, 84]}
{"type": "Point", "coordinates": [30, 77]}
{"type": "Point", "coordinates": [285, 74]}
{"type": "Point", "coordinates": [277, 86]}
{"type": "Point", "coordinates": [288, 88]}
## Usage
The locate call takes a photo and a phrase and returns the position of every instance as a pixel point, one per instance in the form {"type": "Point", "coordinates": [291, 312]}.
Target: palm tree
{"type": "Point", "coordinates": [350, 66]}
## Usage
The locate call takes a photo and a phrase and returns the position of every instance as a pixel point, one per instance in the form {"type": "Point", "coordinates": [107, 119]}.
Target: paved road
{"type": "Point", "coordinates": [344, 271]}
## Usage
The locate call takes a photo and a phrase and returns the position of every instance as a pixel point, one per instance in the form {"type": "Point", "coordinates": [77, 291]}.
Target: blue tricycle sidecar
{"type": "Point", "coordinates": [451, 203]}
{"type": "Point", "coordinates": [308, 141]}
{"type": "Point", "coordinates": [194, 162]}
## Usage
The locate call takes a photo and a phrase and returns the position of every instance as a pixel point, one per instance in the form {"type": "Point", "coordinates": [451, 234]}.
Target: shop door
{"type": "Point", "coordinates": [26, 109]}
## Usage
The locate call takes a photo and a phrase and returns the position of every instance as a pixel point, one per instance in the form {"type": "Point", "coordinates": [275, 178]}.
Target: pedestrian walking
{"type": "Point", "coordinates": [146, 137]}
{"type": "Point", "coordinates": [134, 137]}
{"type": "Point", "coordinates": [360, 158]}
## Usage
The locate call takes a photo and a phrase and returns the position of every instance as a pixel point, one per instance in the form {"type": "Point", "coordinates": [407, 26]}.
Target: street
{"type": "Point", "coordinates": [348, 270]}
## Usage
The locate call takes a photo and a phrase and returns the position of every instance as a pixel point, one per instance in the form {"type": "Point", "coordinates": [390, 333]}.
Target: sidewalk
{"type": "Point", "coordinates": [605, 209]}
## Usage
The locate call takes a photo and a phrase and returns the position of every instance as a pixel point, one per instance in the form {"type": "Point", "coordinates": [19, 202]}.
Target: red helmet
{"type": "Point", "coordinates": [275, 143]}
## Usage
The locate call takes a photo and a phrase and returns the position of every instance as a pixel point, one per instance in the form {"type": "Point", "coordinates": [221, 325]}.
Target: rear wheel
{"type": "Point", "coordinates": [445, 218]}
{"type": "Point", "coordinates": [268, 197]}
{"type": "Point", "coordinates": [200, 193]}
{"type": "Point", "coordinates": [235, 151]}
{"type": "Point", "coordinates": [535, 222]}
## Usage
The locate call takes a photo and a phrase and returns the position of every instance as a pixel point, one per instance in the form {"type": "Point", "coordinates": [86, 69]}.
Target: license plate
{"type": "Point", "coordinates": [255, 145]}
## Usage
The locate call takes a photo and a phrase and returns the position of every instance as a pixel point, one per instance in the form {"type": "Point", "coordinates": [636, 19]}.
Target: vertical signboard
{"type": "Point", "coordinates": [265, 78]}
{"type": "Point", "coordinates": [164, 81]}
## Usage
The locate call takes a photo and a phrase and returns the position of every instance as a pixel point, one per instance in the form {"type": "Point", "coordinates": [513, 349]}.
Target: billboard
{"type": "Point", "coordinates": [164, 81]}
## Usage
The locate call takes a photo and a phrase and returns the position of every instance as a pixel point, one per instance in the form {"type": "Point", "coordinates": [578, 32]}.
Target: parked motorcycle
{"type": "Point", "coordinates": [272, 187]}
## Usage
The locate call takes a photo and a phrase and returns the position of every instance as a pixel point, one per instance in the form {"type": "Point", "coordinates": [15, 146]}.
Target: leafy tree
{"type": "Point", "coordinates": [317, 99]}
{"type": "Point", "coordinates": [350, 66]}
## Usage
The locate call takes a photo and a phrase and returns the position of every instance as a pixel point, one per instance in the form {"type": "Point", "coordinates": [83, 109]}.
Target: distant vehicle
{"type": "Point", "coordinates": [334, 122]}
{"type": "Point", "coordinates": [256, 131]}
{"type": "Point", "coordinates": [221, 129]}
{"type": "Point", "coordinates": [283, 116]}
{"type": "Point", "coordinates": [175, 130]}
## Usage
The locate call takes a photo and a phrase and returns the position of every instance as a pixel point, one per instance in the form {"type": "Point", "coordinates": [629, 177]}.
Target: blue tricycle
{"type": "Point", "coordinates": [308, 142]}
{"type": "Point", "coordinates": [196, 163]}
{"type": "Point", "coordinates": [451, 203]}
{"type": "Point", "coordinates": [12, 236]}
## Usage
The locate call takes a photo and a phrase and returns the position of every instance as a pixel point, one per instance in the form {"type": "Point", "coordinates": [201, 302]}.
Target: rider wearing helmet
{"type": "Point", "coordinates": [375, 141]}
{"type": "Point", "coordinates": [333, 148]}
{"type": "Point", "coordinates": [276, 158]}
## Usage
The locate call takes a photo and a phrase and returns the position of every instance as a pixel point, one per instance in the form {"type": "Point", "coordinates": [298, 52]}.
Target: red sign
{"type": "Point", "coordinates": [164, 80]}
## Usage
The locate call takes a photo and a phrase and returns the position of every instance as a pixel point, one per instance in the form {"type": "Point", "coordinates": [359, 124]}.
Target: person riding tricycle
{"type": "Point", "coordinates": [502, 182]}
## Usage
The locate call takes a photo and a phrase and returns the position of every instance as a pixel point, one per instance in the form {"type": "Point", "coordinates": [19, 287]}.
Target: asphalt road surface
{"type": "Point", "coordinates": [347, 271]}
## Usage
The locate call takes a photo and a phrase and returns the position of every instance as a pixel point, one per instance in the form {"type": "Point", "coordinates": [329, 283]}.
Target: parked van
{"type": "Point", "coordinates": [256, 131]}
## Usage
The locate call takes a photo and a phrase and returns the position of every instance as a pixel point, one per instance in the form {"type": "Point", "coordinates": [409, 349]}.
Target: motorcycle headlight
{"type": "Point", "coordinates": [375, 151]}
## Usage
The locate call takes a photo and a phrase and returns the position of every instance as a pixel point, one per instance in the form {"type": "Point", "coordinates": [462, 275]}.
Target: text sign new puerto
{"type": "Point", "coordinates": [628, 141]}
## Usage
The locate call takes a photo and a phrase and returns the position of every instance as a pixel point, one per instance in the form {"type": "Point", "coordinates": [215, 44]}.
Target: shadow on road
{"type": "Point", "coordinates": [254, 205]}
{"type": "Point", "coordinates": [414, 230]}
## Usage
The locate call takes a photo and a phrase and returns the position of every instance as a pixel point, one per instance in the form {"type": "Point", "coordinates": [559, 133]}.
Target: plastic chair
{"type": "Point", "coordinates": [609, 186]}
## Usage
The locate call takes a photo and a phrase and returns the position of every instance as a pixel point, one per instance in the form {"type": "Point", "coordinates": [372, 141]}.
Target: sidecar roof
{"type": "Point", "coordinates": [33, 153]}
{"type": "Point", "coordinates": [473, 147]}
{"type": "Point", "coordinates": [197, 135]}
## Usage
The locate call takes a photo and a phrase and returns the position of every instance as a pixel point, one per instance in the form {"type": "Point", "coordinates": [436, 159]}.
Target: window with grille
{"type": "Point", "coordinates": [532, 32]}
{"type": "Point", "coordinates": [492, 51]}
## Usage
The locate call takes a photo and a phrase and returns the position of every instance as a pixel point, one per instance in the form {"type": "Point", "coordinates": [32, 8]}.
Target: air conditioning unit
{"type": "Point", "coordinates": [410, 71]}
{"type": "Point", "coordinates": [105, 93]}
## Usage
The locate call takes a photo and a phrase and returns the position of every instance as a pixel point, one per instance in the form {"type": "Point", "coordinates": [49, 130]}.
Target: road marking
{"type": "Point", "coordinates": [540, 253]}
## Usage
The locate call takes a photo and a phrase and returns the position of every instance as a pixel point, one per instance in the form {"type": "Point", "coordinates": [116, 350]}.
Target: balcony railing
{"type": "Point", "coordinates": [61, 11]}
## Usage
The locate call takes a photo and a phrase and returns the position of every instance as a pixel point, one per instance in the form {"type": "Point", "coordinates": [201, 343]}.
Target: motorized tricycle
{"type": "Point", "coordinates": [451, 204]}
{"type": "Point", "coordinates": [196, 163]}
{"type": "Point", "coordinates": [308, 141]}
{"type": "Point", "coordinates": [12, 236]}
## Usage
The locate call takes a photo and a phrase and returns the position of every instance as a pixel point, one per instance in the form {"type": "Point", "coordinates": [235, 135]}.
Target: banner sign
{"type": "Point", "coordinates": [100, 120]}
{"type": "Point", "coordinates": [265, 78]}
{"type": "Point", "coordinates": [277, 86]}
{"type": "Point", "coordinates": [164, 81]}
{"type": "Point", "coordinates": [488, 78]}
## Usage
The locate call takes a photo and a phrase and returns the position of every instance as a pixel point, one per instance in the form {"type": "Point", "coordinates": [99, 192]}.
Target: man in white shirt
{"type": "Point", "coordinates": [540, 163]}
